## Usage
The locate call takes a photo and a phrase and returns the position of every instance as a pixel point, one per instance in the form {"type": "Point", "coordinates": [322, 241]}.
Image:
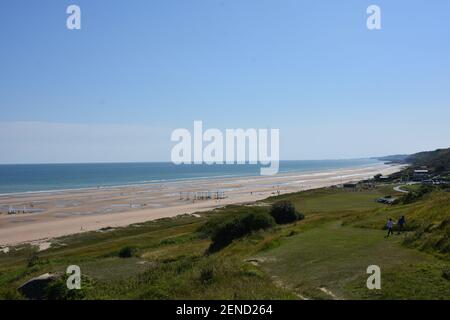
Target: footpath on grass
{"type": "Point", "coordinates": [330, 262]}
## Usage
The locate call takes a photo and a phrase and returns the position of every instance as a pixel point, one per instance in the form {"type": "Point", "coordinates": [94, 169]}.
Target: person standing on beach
{"type": "Point", "coordinates": [401, 224]}
{"type": "Point", "coordinates": [390, 225]}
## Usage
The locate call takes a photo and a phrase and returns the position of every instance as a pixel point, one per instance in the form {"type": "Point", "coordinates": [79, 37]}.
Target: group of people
{"type": "Point", "coordinates": [390, 225]}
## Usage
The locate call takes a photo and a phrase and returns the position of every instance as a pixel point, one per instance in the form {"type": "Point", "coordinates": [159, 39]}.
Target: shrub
{"type": "Point", "coordinates": [238, 227]}
{"type": "Point", "coordinates": [127, 252]}
{"type": "Point", "coordinates": [208, 229]}
{"type": "Point", "coordinates": [284, 212]}
{"type": "Point", "coordinates": [257, 221]}
{"type": "Point", "coordinates": [57, 290]}
{"type": "Point", "coordinates": [416, 195]}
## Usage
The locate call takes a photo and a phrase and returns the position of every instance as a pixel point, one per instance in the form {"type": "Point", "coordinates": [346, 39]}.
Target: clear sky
{"type": "Point", "coordinates": [115, 90]}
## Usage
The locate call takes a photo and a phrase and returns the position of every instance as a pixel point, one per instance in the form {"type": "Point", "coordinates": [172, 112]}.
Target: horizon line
{"type": "Point", "coordinates": [142, 162]}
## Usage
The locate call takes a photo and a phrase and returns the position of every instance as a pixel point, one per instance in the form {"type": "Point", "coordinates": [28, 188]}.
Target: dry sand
{"type": "Point", "coordinates": [55, 214]}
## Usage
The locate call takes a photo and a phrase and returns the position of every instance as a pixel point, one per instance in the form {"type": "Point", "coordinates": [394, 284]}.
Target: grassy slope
{"type": "Point", "coordinates": [170, 265]}
{"type": "Point", "coordinates": [332, 248]}
{"type": "Point", "coordinates": [331, 256]}
{"type": "Point", "coordinates": [437, 159]}
{"type": "Point", "coordinates": [335, 255]}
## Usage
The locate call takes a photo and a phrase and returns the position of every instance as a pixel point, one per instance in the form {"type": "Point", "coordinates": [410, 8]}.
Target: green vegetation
{"type": "Point", "coordinates": [239, 252]}
{"type": "Point", "coordinates": [224, 229]}
{"type": "Point", "coordinates": [438, 161]}
{"type": "Point", "coordinates": [237, 227]}
{"type": "Point", "coordinates": [397, 158]}
{"type": "Point", "coordinates": [127, 252]}
{"type": "Point", "coordinates": [284, 212]}
{"type": "Point", "coordinates": [416, 194]}
{"type": "Point", "coordinates": [335, 257]}
{"type": "Point", "coordinates": [430, 222]}
{"type": "Point", "coordinates": [57, 290]}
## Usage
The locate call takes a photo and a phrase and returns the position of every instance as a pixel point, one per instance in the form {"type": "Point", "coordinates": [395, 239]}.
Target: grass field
{"type": "Point", "coordinates": [324, 256]}
{"type": "Point", "coordinates": [334, 258]}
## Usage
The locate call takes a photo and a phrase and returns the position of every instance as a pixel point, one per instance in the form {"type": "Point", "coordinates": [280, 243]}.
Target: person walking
{"type": "Point", "coordinates": [390, 225]}
{"type": "Point", "coordinates": [401, 224]}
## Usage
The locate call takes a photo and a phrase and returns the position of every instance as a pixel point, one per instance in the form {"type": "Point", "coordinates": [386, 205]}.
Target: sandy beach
{"type": "Point", "coordinates": [53, 214]}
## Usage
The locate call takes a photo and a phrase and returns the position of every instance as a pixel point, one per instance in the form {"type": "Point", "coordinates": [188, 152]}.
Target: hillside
{"type": "Point", "coordinates": [324, 256]}
{"type": "Point", "coordinates": [437, 161]}
{"type": "Point", "coordinates": [397, 158]}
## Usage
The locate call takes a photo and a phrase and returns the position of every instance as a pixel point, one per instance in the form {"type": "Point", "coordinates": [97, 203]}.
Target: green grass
{"type": "Point", "coordinates": [419, 281]}
{"type": "Point", "coordinates": [333, 256]}
{"type": "Point", "coordinates": [341, 235]}
{"type": "Point", "coordinates": [428, 220]}
{"type": "Point", "coordinates": [169, 264]}
{"type": "Point", "coordinates": [184, 278]}
{"type": "Point", "coordinates": [333, 200]}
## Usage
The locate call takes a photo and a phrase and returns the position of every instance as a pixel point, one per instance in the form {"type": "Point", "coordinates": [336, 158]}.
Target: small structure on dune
{"type": "Point", "coordinates": [350, 186]}
{"type": "Point", "coordinates": [379, 177]}
{"type": "Point", "coordinates": [35, 288]}
{"type": "Point", "coordinates": [367, 184]}
{"type": "Point", "coordinates": [421, 174]}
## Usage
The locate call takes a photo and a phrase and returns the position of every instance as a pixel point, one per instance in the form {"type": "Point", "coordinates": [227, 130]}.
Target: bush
{"type": "Point", "coordinates": [257, 221]}
{"type": "Point", "coordinates": [127, 252]}
{"type": "Point", "coordinates": [284, 212]}
{"type": "Point", "coordinates": [57, 290]}
{"type": "Point", "coordinates": [238, 227]}
{"type": "Point", "coordinates": [416, 195]}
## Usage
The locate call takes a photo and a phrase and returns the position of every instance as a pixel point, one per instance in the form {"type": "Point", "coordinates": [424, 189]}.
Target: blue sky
{"type": "Point", "coordinates": [115, 90]}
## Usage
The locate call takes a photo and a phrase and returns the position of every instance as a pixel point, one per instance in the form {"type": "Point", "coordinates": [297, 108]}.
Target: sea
{"type": "Point", "coordinates": [21, 178]}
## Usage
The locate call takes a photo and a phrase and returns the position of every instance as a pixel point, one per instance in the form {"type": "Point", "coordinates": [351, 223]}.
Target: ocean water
{"type": "Point", "coordinates": [46, 177]}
